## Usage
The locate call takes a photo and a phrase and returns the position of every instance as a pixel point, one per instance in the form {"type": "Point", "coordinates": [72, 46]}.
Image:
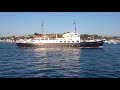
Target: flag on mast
{"type": "Point", "coordinates": [42, 23]}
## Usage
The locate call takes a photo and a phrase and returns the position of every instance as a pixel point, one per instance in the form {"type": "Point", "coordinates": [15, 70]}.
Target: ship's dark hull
{"type": "Point", "coordinates": [55, 45]}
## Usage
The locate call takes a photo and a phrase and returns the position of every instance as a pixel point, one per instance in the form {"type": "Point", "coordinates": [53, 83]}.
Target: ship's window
{"type": "Point", "coordinates": [68, 41]}
{"type": "Point", "coordinates": [64, 41]}
{"type": "Point", "coordinates": [60, 41]}
{"type": "Point", "coordinates": [77, 41]}
{"type": "Point", "coordinates": [42, 39]}
{"type": "Point", "coordinates": [72, 41]}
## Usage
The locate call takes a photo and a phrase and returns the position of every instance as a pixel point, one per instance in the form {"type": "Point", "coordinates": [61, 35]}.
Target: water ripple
{"type": "Point", "coordinates": [59, 63]}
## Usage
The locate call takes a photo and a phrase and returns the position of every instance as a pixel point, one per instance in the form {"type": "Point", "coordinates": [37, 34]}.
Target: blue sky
{"type": "Point", "coordinates": [24, 23]}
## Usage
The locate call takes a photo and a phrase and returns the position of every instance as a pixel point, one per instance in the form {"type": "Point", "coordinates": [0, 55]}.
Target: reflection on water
{"type": "Point", "coordinates": [50, 62]}
{"type": "Point", "coordinates": [63, 53]}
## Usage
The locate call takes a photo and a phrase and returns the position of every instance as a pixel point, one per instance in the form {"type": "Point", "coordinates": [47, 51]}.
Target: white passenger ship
{"type": "Point", "coordinates": [71, 39]}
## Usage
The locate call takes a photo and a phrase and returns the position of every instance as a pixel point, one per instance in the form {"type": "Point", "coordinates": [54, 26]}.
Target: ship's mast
{"type": "Point", "coordinates": [42, 26]}
{"type": "Point", "coordinates": [75, 30]}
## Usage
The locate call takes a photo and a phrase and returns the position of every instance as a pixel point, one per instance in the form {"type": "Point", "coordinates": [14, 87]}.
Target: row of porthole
{"type": "Point", "coordinates": [68, 41]}
{"type": "Point", "coordinates": [63, 45]}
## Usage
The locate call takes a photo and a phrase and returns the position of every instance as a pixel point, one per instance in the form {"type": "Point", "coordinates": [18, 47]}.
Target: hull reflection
{"type": "Point", "coordinates": [66, 53]}
{"type": "Point", "coordinates": [55, 62]}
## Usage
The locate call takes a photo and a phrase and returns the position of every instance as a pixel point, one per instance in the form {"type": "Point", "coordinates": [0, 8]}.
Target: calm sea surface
{"type": "Point", "coordinates": [59, 63]}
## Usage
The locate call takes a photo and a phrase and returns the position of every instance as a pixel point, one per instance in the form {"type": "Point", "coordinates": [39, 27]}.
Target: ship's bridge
{"type": "Point", "coordinates": [71, 36]}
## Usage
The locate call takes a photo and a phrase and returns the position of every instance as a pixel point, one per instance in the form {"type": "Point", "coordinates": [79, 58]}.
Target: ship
{"type": "Point", "coordinates": [69, 39]}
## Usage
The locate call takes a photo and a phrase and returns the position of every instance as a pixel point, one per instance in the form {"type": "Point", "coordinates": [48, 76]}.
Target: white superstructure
{"type": "Point", "coordinates": [66, 38]}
